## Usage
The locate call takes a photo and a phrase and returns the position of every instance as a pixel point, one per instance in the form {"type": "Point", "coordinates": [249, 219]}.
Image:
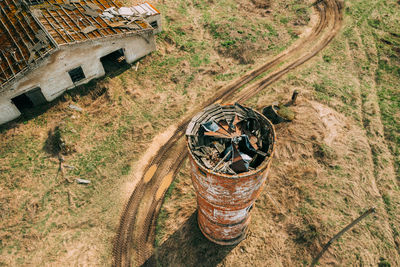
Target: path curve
{"type": "Point", "coordinates": [136, 232]}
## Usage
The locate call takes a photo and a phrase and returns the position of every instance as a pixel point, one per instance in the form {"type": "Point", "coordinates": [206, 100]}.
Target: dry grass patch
{"type": "Point", "coordinates": [338, 158]}
{"type": "Point", "coordinates": [49, 218]}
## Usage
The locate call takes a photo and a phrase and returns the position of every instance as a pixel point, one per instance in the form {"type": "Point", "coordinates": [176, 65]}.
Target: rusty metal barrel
{"type": "Point", "coordinates": [230, 149]}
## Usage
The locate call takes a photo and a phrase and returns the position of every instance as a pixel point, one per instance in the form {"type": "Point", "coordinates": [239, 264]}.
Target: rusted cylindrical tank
{"type": "Point", "coordinates": [224, 200]}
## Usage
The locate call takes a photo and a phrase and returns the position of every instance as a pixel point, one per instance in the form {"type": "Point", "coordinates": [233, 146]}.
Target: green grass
{"type": "Point", "coordinates": [163, 215]}
{"type": "Point", "coordinates": [168, 83]}
{"type": "Point", "coordinates": [384, 28]}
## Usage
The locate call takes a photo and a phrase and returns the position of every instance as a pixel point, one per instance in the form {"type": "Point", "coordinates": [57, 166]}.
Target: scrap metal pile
{"type": "Point", "coordinates": [129, 14]}
{"type": "Point", "coordinates": [116, 17]}
{"type": "Point", "coordinates": [229, 139]}
{"type": "Point", "coordinates": [141, 11]}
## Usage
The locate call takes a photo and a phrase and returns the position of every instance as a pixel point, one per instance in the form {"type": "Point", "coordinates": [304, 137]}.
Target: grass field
{"type": "Point", "coordinates": [339, 157]}
{"type": "Point", "coordinates": [47, 217]}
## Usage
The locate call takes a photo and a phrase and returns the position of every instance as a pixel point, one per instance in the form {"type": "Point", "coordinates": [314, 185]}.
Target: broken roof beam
{"type": "Point", "coordinates": [112, 4]}
{"type": "Point", "coordinates": [14, 57]}
{"type": "Point", "coordinates": [99, 2]}
{"type": "Point", "coordinates": [69, 26]}
{"type": "Point", "coordinates": [25, 31]}
{"type": "Point", "coordinates": [28, 22]}
{"type": "Point", "coordinates": [24, 15]}
{"type": "Point", "coordinates": [2, 70]}
{"type": "Point", "coordinates": [96, 22]}
{"type": "Point", "coordinates": [8, 63]}
{"type": "Point", "coordinates": [33, 31]}
{"type": "Point", "coordinates": [75, 23]}
{"type": "Point", "coordinates": [110, 28]}
{"type": "Point", "coordinates": [41, 26]}
{"type": "Point", "coordinates": [87, 18]}
{"type": "Point", "coordinates": [9, 33]}
{"type": "Point", "coordinates": [102, 19]}
{"type": "Point", "coordinates": [55, 29]}
{"type": "Point", "coordinates": [60, 26]}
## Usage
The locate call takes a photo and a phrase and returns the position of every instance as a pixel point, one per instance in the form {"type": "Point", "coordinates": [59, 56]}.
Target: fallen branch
{"type": "Point", "coordinates": [348, 227]}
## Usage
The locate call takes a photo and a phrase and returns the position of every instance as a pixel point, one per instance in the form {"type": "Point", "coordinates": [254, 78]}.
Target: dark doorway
{"type": "Point", "coordinates": [29, 99]}
{"type": "Point", "coordinates": [22, 102]}
{"type": "Point", "coordinates": [36, 96]}
{"type": "Point", "coordinates": [114, 62]}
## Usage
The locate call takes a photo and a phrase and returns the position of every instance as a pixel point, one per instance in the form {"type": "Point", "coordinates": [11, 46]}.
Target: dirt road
{"type": "Point", "coordinates": [136, 233]}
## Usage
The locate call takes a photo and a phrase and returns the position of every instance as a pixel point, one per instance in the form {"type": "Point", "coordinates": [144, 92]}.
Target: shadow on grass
{"type": "Point", "coordinates": [188, 247]}
{"type": "Point", "coordinates": [92, 88]}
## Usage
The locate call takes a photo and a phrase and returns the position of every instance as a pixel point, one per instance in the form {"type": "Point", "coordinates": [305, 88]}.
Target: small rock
{"type": "Point", "coordinates": [82, 181]}
{"type": "Point", "coordinates": [69, 167]}
{"type": "Point", "coordinates": [75, 107]}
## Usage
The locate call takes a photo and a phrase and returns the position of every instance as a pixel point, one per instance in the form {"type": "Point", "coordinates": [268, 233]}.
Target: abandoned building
{"type": "Point", "coordinates": [50, 46]}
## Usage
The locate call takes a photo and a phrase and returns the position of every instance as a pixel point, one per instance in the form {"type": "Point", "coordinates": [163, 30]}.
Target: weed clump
{"type": "Point", "coordinates": [383, 262]}
{"type": "Point", "coordinates": [262, 3]}
{"type": "Point", "coordinates": [323, 153]}
{"type": "Point", "coordinates": [327, 58]}
{"type": "Point", "coordinates": [56, 143]}
{"type": "Point", "coordinates": [240, 43]}
{"type": "Point", "coordinates": [286, 113]}
{"type": "Point", "coordinates": [306, 234]}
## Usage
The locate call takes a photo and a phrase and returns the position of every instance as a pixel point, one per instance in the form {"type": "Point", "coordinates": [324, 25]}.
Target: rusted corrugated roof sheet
{"type": "Point", "coordinates": [29, 30]}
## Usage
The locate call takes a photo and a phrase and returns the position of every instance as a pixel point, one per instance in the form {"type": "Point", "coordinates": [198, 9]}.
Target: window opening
{"type": "Point", "coordinates": [76, 74]}
{"type": "Point", "coordinates": [154, 24]}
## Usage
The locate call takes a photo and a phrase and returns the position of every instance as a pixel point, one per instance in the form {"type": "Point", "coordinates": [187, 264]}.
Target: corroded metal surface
{"type": "Point", "coordinates": [224, 201]}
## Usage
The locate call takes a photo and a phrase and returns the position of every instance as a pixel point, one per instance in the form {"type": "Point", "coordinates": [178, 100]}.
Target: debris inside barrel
{"type": "Point", "coordinates": [229, 139]}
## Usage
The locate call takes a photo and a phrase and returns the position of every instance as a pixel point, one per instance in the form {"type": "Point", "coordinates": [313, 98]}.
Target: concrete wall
{"type": "Point", "coordinates": [158, 19]}
{"type": "Point", "coordinates": [8, 111]}
{"type": "Point", "coordinates": [52, 74]}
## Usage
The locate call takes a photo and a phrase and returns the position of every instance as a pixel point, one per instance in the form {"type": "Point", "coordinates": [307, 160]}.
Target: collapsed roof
{"type": "Point", "coordinates": [230, 139]}
{"type": "Point", "coordinates": [32, 29]}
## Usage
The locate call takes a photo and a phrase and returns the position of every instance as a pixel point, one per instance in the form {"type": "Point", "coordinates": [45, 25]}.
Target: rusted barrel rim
{"type": "Point", "coordinates": [226, 242]}
{"type": "Point", "coordinates": [260, 168]}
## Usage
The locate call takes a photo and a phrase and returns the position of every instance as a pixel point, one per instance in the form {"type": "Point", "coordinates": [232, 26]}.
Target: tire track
{"type": "Point", "coordinates": [136, 232]}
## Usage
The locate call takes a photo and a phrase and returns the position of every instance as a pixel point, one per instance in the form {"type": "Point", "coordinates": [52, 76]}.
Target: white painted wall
{"type": "Point", "coordinates": [8, 111]}
{"type": "Point", "coordinates": [52, 74]}
{"type": "Point", "coordinates": [158, 19]}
